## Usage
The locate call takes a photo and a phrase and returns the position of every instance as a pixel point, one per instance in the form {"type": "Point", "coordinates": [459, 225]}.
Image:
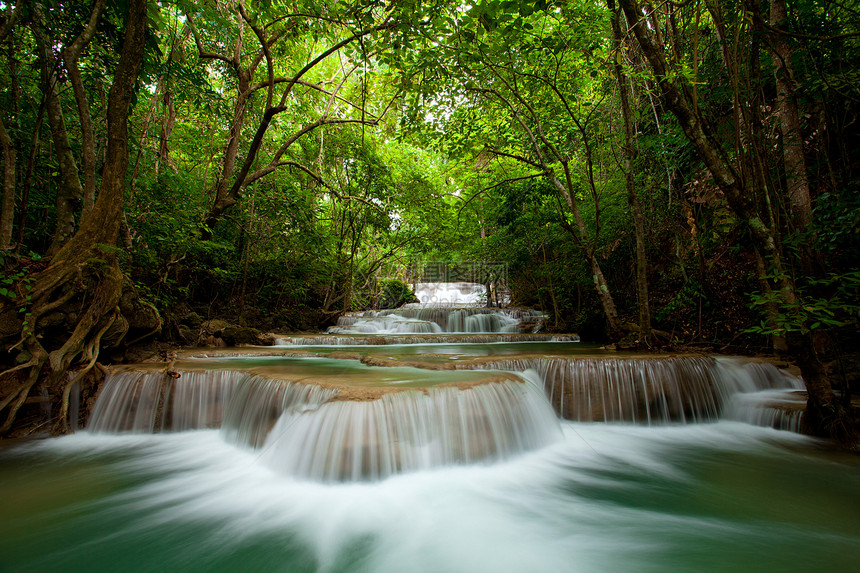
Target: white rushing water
{"type": "Point", "coordinates": [451, 293]}
{"type": "Point", "coordinates": [433, 319]}
{"type": "Point", "coordinates": [712, 497]}
{"type": "Point", "coordinates": [412, 430]}
{"type": "Point", "coordinates": [437, 480]}
{"type": "Point", "coordinates": [307, 430]}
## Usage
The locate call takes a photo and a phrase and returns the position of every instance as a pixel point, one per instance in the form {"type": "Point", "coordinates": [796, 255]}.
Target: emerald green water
{"type": "Point", "coordinates": [351, 372]}
{"type": "Point", "coordinates": [710, 497]}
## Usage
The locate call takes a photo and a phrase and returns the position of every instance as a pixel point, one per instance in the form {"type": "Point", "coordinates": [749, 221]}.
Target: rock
{"type": "Point", "coordinates": [267, 339]}
{"type": "Point", "coordinates": [142, 317]}
{"type": "Point", "coordinates": [192, 320]}
{"type": "Point", "coordinates": [234, 335]}
{"type": "Point", "coordinates": [212, 341]}
{"type": "Point", "coordinates": [215, 326]}
{"type": "Point", "coordinates": [53, 319]}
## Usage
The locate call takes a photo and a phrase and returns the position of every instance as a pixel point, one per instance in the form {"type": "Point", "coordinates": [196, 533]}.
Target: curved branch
{"type": "Point", "coordinates": [311, 85]}
{"type": "Point", "coordinates": [203, 54]}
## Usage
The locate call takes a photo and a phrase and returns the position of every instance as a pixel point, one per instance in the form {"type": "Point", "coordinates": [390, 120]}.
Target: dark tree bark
{"type": "Point", "coordinates": [71, 191]}
{"type": "Point", "coordinates": [628, 159]}
{"type": "Point", "coordinates": [825, 415]}
{"type": "Point", "coordinates": [84, 272]}
{"type": "Point", "coordinates": [7, 216]}
{"type": "Point", "coordinates": [7, 147]}
{"type": "Point", "coordinates": [797, 182]}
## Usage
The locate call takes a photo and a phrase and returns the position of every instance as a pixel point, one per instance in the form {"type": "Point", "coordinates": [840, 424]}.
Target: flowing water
{"type": "Point", "coordinates": [711, 497]}
{"type": "Point", "coordinates": [448, 457]}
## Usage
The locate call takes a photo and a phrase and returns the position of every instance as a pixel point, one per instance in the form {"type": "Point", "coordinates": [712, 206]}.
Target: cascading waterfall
{"type": "Point", "coordinates": [450, 293]}
{"type": "Point", "coordinates": [328, 340]}
{"type": "Point", "coordinates": [147, 402]}
{"type": "Point", "coordinates": [411, 430]}
{"type": "Point", "coordinates": [427, 319]}
{"type": "Point", "coordinates": [259, 402]}
{"type": "Point", "coordinates": [306, 430]}
{"type": "Point", "coordinates": [779, 409]}
{"type": "Point", "coordinates": [646, 390]}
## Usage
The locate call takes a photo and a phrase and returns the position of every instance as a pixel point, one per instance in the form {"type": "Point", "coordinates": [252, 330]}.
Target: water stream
{"type": "Point", "coordinates": [446, 457]}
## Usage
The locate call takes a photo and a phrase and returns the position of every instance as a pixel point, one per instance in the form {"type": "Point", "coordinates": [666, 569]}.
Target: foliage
{"type": "Point", "coordinates": [432, 157]}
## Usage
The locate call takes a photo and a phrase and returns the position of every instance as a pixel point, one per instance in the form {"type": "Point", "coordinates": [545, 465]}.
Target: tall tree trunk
{"type": "Point", "coordinates": [7, 216]}
{"type": "Point", "coordinates": [88, 145]}
{"type": "Point", "coordinates": [70, 190]}
{"type": "Point", "coordinates": [797, 183]}
{"type": "Point", "coordinates": [28, 173]}
{"type": "Point", "coordinates": [628, 158]}
{"type": "Point", "coordinates": [825, 414]}
{"type": "Point", "coordinates": [84, 272]}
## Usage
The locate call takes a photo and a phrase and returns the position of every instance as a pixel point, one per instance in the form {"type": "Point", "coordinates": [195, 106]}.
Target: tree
{"type": "Point", "coordinates": [85, 271]}
{"type": "Point", "coordinates": [824, 414]}
{"type": "Point", "coordinates": [243, 57]}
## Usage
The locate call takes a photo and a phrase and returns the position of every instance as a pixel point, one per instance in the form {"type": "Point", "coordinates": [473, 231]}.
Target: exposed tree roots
{"type": "Point", "coordinates": [63, 287]}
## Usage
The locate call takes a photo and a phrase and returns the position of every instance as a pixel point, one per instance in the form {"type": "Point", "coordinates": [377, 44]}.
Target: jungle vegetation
{"type": "Point", "coordinates": [654, 174]}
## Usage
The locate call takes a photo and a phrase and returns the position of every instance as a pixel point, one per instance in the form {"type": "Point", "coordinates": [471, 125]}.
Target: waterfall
{"type": "Point", "coordinates": [307, 431]}
{"type": "Point", "coordinates": [259, 402]}
{"type": "Point", "coordinates": [450, 293]}
{"type": "Point", "coordinates": [146, 402]}
{"type": "Point", "coordinates": [780, 409]}
{"type": "Point", "coordinates": [428, 319]}
{"type": "Point", "coordinates": [355, 432]}
{"type": "Point", "coordinates": [326, 340]}
{"type": "Point", "coordinates": [645, 390]}
{"type": "Point", "coordinates": [411, 430]}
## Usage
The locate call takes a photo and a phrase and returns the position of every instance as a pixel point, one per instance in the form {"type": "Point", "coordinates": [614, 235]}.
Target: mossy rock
{"type": "Point", "coordinates": [234, 335]}
{"type": "Point", "coordinates": [215, 326]}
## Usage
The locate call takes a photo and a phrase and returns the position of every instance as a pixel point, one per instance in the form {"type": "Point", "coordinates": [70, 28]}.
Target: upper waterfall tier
{"type": "Point", "coordinates": [418, 339]}
{"type": "Point", "coordinates": [450, 293]}
{"type": "Point", "coordinates": [429, 319]}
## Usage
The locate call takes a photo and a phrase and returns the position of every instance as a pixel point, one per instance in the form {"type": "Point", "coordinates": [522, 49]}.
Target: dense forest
{"type": "Point", "coordinates": [682, 174]}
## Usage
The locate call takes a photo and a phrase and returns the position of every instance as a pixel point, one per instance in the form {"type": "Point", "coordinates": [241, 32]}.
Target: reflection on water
{"type": "Point", "coordinates": [607, 497]}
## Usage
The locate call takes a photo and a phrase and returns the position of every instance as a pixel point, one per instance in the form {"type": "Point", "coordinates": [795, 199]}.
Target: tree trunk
{"type": "Point", "coordinates": [632, 196]}
{"type": "Point", "coordinates": [70, 190]}
{"type": "Point", "coordinates": [826, 416]}
{"type": "Point", "coordinates": [88, 146]}
{"type": "Point", "coordinates": [796, 180]}
{"type": "Point", "coordinates": [7, 216]}
{"type": "Point", "coordinates": [84, 272]}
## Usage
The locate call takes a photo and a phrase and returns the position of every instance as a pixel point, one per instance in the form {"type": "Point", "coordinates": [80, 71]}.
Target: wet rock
{"type": "Point", "coordinates": [267, 339]}
{"type": "Point", "coordinates": [192, 320]}
{"type": "Point", "coordinates": [234, 335]}
{"type": "Point", "coordinates": [215, 326]}
{"type": "Point", "coordinates": [141, 316]}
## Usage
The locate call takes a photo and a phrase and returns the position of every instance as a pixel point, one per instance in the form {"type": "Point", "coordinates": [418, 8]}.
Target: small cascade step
{"type": "Point", "coordinates": [686, 389]}
{"type": "Point", "coordinates": [381, 340]}
{"type": "Point", "coordinates": [428, 319]}
{"type": "Point", "coordinates": [412, 430]}
{"type": "Point", "coordinates": [147, 402]}
{"type": "Point", "coordinates": [778, 409]}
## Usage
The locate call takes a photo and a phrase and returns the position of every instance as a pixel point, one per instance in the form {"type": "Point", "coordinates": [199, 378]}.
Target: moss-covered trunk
{"type": "Point", "coordinates": [84, 274]}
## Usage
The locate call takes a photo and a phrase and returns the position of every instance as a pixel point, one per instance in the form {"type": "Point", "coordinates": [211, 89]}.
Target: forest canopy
{"type": "Point", "coordinates": [649, 174]}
